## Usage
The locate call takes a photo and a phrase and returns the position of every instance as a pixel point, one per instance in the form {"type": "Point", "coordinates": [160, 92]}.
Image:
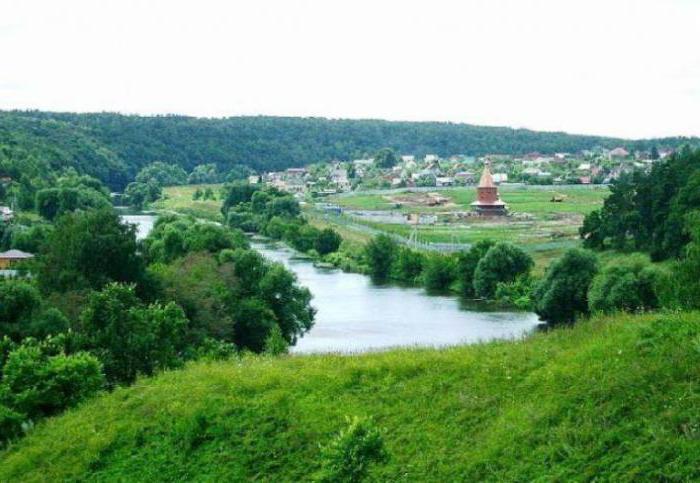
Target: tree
{"type": "Point", "coordinates": [128, 337]}
{"type": "Point", "coordinates": [19, 302]}
{"type": "Point", "coordinates": [276, 344]}
{"type": "Point", "coordinates": [380, 253]}
{"type": "Point", "coordinates": [88, 250]}
{"type": "Point", "coordinates": [408, 265]}
{"type": "Point", "coordinates": [438, 273]}
{"type": "Point", "coordinates": [563, 292]}
{"type": "Point", "coordinates": [162, 174]}
{"type": "Point", "coordinates": [347, 458]}
{"type": "Point", "coordinates": [502, 263]}
{"type": "Point", "coordinates": [466, 265]}
{"type": "Point", "coordinates": [385, 158]}
{"type": "Point", "coordinates": [327, 241]}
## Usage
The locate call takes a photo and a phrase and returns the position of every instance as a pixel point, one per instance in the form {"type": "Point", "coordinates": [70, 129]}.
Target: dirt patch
{"type": "Point", "coordinates": [421, 199]}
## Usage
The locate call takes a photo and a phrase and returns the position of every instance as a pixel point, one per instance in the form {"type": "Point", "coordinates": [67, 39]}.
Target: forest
{"type": "Point", "coordinates": [114, 147]}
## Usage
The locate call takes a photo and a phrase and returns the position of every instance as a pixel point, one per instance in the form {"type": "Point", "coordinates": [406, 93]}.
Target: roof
{"type": "Point", "coordinates": [486, 180]}
{"type": "Point", "coordinates": [15, 255]}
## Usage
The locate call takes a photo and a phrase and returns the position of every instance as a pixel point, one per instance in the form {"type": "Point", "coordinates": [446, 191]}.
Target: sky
{"type": "Point", "coordinates": [628, 68]}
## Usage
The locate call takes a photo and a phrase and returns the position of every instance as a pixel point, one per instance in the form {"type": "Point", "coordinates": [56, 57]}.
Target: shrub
{"type": "Point", "coordinates": [275, 344]}
{"type": "Point", "coordinates": [327, 241]}
{"type": "Point", "coordinates": [347, 458]}
{"type": "Point", "coordinates": [503, 262]}
{"type": "Point", "coordinates": [563, 293]}
{"type": "Point", "coordinates": [629, 286]}
{"type": "Point", "coordinates": [408, 265]}
{"type": "Point", "coordinates": [438, 273]}
{"type": "Point", "coordinates": [517, 293]}
{"type": "Point", "coordinates": [380, 253]}
{"type": "Point", "coordinates": [466, 265]}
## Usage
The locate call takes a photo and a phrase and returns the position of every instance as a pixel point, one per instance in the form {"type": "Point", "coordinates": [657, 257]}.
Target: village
{"type": "Point", "coordinates": [597, 166]}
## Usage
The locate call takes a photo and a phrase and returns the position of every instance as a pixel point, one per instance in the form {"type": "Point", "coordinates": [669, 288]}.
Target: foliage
{"type": "Point", "coordinates": [19, 302]}
{"type": "Point", "coordinates": [347, 458]}
{"type": "Point", "coordinates": [138, 194]}
{"type": "Point", "coordinates": [516, 294]}
{"type": "Point", "coordinates": [128, 337]}
{"type": "Point", "coordinates": [503, 262]}
{"type": "Point", "coordinates": [327, 241]}
{"type": "Point", "coordinates": [385, 158]}
{"type": "Point", "coordinates": [563, 292]}
{"type": "Point", "coordinates": [380, 253]}
{"type": "Point", "coordinates": [438, 272]}
{"type": "Point", "coordinates": [276, 344]}
{"type": "Point", "coordinates": [162, 174]}
{"type": "Point", "coordinates": [466, 265]}
{"type": "Point", "coordinates": [204, 173]}
{"type": "Point", "coordinates": [408, 265]}
{"type": "Point", "coordinates": [88, 250]}
{"type": "Point", "coordinates": [646, 211]}
{"type": "Point", "coordinates": [630, 286]}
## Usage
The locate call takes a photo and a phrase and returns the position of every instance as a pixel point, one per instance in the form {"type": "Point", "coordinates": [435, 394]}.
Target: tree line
{"type": "Point", "coordinates": [114, 147]}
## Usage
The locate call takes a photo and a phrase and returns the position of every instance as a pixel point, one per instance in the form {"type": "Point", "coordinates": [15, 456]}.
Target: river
{"type": "Point", "coordinates": [355, 315]}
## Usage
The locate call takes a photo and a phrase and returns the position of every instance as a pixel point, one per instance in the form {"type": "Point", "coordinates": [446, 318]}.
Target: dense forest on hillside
{"type": "Point", "coordinates": [113, 147]}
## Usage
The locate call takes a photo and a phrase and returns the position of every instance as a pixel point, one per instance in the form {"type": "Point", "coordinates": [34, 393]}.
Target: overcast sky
{"type": "Point", "coordinates": [615, 67]}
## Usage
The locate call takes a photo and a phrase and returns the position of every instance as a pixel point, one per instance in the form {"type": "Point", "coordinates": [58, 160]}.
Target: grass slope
{"type": "Point", "coordinates": [613, 399]}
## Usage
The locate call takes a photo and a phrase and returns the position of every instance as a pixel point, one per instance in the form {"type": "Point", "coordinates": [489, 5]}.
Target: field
{"type": "Point", "coordinates": [540, 225]}
{"type": "Point", "coordinates": [612, 399]}
{"type": "Point", "coordinates": [179, 199]}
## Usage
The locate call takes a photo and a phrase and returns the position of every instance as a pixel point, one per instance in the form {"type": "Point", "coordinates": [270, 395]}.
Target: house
{"type": "Point", "coordinates": [585, 180]}
{"type": "Point", "coordinates": [499, 178]}
{"type": "Point", "coordinates": [431, 158]}
{"type": "Point", "coordinates": [584, 167]}
{"type": "Point", "coordinates": [12, 257]}
{"type": "Point", "coordinates": [339, 176]}
{"type": "Point", "coordinates": [465, 177]}
{"type": "Point", "coordinates": [444, 181]}
{"type": "Point", "coordinates": [618, 153]}
{"type": "Point", "coordinates": [6, 213]}
{"type": "Point", "coordinates": [532, 171]}
{"type": "Point", "coordinates": [253, 179]}
{"type": "Point", "coordinates": [408, 158]}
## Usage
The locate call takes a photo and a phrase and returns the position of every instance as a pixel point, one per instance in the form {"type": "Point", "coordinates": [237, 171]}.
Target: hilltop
{"type": "Point", "coordinates": [113, 147]}
{"type": "Point", "coordinates": [612, 399]}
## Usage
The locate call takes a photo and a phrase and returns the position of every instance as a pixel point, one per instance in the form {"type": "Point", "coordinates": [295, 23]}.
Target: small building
{"type": "Point", "coordinates": [6, 213]}
{"type": "Point", "coordinates": [618, 153]}
{"type": "Point", "coordinates": [11, 257]}
{"type": "Point", "coordinates": [488, 201]}
{"type": "Point", "coordinates": [443, 181]}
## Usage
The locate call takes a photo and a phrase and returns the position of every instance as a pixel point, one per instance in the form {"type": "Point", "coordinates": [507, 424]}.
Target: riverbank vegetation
{"type": "Point", "coordinates": [102, 308]}
{"type": "Point", "coordinates": [612, 398]}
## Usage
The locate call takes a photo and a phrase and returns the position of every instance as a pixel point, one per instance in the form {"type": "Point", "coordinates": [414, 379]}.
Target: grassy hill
{"type": "Point", "coordinates": [613, 399]}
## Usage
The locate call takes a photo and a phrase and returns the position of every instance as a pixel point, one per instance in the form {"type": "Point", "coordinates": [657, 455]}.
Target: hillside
{"type": "Point", "coordinates": [114, 146]}
{"type": "Point", "coordinates": [612, 399]}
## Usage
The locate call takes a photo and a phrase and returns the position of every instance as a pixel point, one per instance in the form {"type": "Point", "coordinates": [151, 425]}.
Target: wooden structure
{"type": "Point", "coordinates": [11, 257]}
{"type": "Point", "coordinates": [488, 201]}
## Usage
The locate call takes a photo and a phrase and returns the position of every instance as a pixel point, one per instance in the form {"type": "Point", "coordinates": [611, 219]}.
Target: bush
{"type": "Point", "coordinates": [466, 265]}
{"type": "Point", "coordinates": [563, 293]}
{"type": "Point", "coordinates": [503, 262]}
{"type": "Point", "coordinates": [408, 265]}
{"type": "Point", "coordinates": [347, 458]}
{"type": "Point", "coordinates": [275, 344]}
{"type": "Point", "coordinates": [630, 286]}
{"type": "Point", "coordinates": [10, 424]}
{"type": "Point", "coordinates": [37, 383]}
{"type": "Point", "coordinates": [380, 253]}
{"type": "Point", "coordinates": [438, 273]}
{"type": "Point", "coordinates": [517, 293]}
{"type": "Point", "coordinates": [327, 241]}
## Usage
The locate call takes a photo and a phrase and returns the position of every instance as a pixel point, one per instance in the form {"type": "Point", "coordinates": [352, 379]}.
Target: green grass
{"type": "Point", "coordinates": [179, 199]}
{"type": "Point", "coordinates": [533, 200]}
{"type": "Point", "coordinates": [615, 399]}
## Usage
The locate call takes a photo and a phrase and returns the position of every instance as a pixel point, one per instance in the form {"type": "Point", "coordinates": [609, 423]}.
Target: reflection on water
{"type": "Point", "coordinates": [356, 315]}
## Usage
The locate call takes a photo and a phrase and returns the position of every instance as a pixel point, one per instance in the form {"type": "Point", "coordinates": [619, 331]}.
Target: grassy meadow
{"type": "Point", "coordinates": [179, 199]}
{"type": "Point", "coordinates": [612, 399]}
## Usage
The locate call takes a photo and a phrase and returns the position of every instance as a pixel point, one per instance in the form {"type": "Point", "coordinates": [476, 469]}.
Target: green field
{"type": "Point", "coordinates": [534, 200]}
{"type": "Point", "coordinates": [179, 199]}
{"type": "Point", "coordinates": [613, 399]}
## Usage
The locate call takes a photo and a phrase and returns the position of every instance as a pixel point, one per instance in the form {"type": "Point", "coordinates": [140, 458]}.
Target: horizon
{"type": "Point", "coordinates": [625, 69]}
